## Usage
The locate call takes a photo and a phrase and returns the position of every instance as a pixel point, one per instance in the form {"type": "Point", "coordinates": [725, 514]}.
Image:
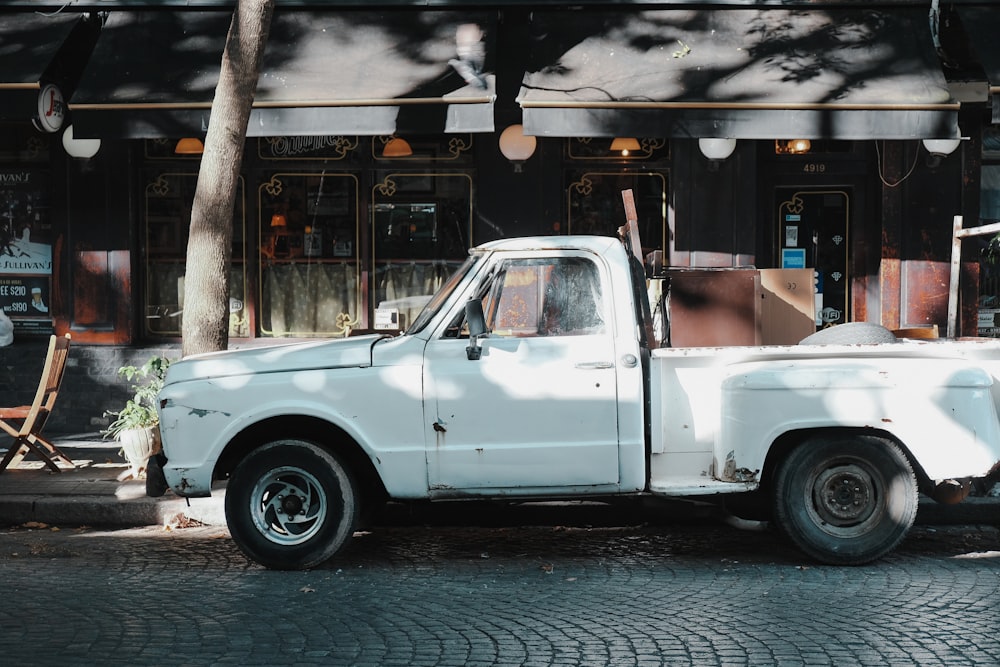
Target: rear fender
{"type": "Point", "coordinates": [940, 411]}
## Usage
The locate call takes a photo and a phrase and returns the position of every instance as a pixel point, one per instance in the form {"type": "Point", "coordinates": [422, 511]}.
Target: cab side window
{"type": "Point", "coordinates": [546, 297]}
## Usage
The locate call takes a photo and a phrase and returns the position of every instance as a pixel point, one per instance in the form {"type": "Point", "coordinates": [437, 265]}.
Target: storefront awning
{"type": "Point", "coordinates": [153, 74]}
{"type": "Point", "coordinates": [982, 25]}
{"type": "Point", "coordinates": [738, 73]}
{"type": "Point", "coordinates": [41, 58]}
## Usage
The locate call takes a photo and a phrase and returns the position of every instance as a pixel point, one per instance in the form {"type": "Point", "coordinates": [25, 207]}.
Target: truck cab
{"type": "Point", "coordinates": [552, 401]}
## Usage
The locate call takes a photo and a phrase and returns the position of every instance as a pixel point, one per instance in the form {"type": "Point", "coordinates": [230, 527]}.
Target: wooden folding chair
{"type": "Point", "coordinates": [33, 417]}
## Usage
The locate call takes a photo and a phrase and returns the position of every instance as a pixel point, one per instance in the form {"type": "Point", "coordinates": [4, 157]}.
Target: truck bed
{"type": "Point", "coordinates": [709, 402]}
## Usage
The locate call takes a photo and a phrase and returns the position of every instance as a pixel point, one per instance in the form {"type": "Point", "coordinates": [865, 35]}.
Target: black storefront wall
{"type": "Point", "coordinates": [714, 220]}
{"type": "Point", "coordinates": [351, 74]}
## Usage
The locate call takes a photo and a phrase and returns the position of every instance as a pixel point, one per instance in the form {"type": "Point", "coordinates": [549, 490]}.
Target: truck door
{"type": "Point", "coordinates": [538, 409]}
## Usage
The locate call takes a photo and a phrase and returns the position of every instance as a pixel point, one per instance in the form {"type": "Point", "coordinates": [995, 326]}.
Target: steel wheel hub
{"type": "Point", "coordinates": [288, 505]}
{"type": "Point", "coordinates": [844, 495]}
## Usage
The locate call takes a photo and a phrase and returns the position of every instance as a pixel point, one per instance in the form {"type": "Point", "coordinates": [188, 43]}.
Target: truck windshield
{"type": "Point", "coordinates": [434, 305]}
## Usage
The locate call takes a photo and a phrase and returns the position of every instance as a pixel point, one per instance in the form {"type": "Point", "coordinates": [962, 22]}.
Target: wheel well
{"type": "Point", "coordinates": [788, 441]}
{"type": "Point", "coordinates": [329, 436]}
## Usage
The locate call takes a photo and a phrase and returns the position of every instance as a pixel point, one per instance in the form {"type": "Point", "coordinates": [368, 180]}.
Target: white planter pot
{"type": "Point", "coordinates": [138, 444]}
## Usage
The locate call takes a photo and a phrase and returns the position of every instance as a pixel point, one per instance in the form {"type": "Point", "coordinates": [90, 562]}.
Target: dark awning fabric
{"type": "Point", "coordinates": [737, 73]}
{"type": "Point", "coordinates": [37, 49]}
{"type": "Point", "coordinates": [154, 74]}
{"type": "Point", "coordinates": [982, 25]}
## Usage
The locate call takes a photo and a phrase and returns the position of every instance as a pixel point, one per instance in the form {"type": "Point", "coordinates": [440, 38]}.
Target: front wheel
{"type": "Point", "coordinates": [845, 500]}
{"type": "Point", "coordinates": [291, 505]}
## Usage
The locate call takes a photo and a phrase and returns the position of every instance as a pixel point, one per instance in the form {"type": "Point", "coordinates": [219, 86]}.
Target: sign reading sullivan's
{"type": "Point", "coordinates": [25, 249]}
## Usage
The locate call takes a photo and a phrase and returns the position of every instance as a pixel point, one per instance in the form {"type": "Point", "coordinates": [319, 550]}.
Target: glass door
{"type": "Point", "coordinates": [812, 232]}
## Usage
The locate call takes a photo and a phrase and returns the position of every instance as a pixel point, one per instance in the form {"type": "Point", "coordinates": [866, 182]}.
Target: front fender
{"type": "Point", "coordinates": [199, 419]}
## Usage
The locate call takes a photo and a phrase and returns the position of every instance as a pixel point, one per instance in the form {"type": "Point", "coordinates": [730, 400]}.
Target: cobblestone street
{"type": "Point", "coordinates": [408, 596]}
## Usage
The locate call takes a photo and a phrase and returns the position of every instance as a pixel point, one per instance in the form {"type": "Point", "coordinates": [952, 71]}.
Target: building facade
{"type": "Point", "coordinates": [387, 139]}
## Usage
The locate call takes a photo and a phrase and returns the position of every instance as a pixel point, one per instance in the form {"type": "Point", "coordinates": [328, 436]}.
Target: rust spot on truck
{"type": "Point", "coordinates": [194, 412]}
{"type": "Point", "coordinates": [731, 473]}
{"type": "Point", "coordinates": [439, 431]}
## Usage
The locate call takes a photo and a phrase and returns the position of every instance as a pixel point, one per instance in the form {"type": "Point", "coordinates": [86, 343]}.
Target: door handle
{"type": "Point", "coordinates": [594, 365]}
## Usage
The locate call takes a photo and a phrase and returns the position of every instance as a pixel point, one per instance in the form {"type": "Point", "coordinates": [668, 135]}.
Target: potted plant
{"type": "Point", "coordinates": [137, 425]}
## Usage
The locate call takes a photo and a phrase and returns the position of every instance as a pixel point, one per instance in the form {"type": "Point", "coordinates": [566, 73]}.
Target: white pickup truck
{"type": "Point", "coordinates": [532, 374]}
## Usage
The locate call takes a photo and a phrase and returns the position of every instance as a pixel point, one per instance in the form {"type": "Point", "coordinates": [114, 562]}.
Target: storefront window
{"type": "Point", "coordinates": [989, 213]}
{"type": "Point", "coordinates": [309, 256]}
{"type": "Point", "coordinates": [594, 204]}
{"type": "Point", "coordinates": [989, 200]}
{"type": "Point", "coordinates": [25, 229]}
{"type": "Point", "coordinates": [168, 200]}
{"type": "Point", "coordinates": [25, 248]}
{"type": "Point", "coordinates": [421, 233]}
{"type": "Point", "coordinates": [812, 233]}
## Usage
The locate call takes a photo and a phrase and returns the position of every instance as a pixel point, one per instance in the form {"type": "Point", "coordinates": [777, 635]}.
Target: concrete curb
{"type": "Point", "coordinates": [109, 511]}
{"type": "Point", "coordinates": [90, 494]}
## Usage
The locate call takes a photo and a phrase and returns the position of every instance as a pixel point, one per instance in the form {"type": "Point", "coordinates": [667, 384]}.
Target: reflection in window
{"type": "Point", "coordinates": [165, 294]}
{"type": "Point", "coordinates": [168, 200]}
{"type": "Point", "coordinates": [309, 279]}
{"type": "Point", "coordinates": [421, 231]}
{"type": "Point", "coordinates": [546, 297]}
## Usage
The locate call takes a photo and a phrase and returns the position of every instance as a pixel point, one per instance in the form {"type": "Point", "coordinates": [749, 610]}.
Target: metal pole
{"type": "Point", "coordinates": [956, 265]}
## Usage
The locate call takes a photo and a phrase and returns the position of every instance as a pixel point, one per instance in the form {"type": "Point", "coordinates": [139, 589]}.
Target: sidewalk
{"type": "Point", "coordinates": [90, 495]}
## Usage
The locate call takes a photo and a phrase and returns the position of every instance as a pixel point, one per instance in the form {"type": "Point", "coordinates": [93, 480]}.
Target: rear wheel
{"type": "Point", "coordinates": [845, 500]}
{"type": "Point", "coordinates": [291, 505]}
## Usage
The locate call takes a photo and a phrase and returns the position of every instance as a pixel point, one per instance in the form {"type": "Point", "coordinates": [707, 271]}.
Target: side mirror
{"type": "Point", "coordinates": [476, 320]}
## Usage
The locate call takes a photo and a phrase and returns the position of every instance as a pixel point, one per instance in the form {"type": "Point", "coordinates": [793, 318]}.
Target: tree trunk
{"type": "Point", "coordinates": [205, 326]}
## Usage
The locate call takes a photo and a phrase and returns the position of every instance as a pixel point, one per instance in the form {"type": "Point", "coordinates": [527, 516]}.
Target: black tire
{"type": "Point", "coordinates": [156, 481]}
{"type": "Point", "coordinates": [845, 499]}
{"type": "Point", "coordinates": [298, 479]}
{"type": "Point", "coordinates": [851, 333]}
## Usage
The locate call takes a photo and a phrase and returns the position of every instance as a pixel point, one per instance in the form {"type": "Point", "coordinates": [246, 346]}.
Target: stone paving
{"type": "Point", "coordinates": [543, 595]}
{"type": "Point", "coordinates": [531, 586]}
